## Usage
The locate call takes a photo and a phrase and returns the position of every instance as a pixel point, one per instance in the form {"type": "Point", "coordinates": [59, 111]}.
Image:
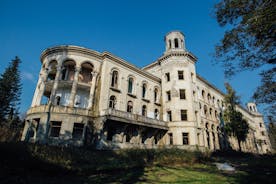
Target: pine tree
{"type": "Point", "coordinates": [235, 124]}
{"type": "Point", "coordinates": [10, 91]}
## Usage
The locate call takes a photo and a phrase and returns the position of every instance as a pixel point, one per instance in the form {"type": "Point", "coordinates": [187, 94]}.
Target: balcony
{"type": "Point", "coordinates": [59, 109]}
{"type": "Point", "coordinates": [135, 119]}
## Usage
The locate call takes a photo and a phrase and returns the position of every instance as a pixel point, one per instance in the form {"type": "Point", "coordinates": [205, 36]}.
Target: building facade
{"type": "Point", "coordinates": [86, 97]}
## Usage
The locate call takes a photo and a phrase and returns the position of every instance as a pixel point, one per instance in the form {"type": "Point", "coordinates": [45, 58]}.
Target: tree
{"type": "Point", "coordinates": [235, 125]}
{"type": "Point", "coordinates": [249, 43]}
{"type": "Point", "coordinates": [10, 91]}
{"type": "Point", "coordinates": [272, 133]}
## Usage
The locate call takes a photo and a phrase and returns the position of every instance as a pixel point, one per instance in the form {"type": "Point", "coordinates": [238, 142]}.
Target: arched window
{"type": "Point", "coordinates": [156, 114]}
{"type": "Point", "coordinates": [205, 109]}
{"type": "Point", "coordinates": [130, 85]}
{"type": "Point", "coordinates": [155, 95]}
{"type": "Point", "coordinates": [210, 111]}
{"type": "Point", "coordinates": [209, 97]}
{"type": "Point", "coordinates": [112, 102]}
{"type": "Point", "coordinates": [144, 110]}
{"type": "Point", "coordinates": [57, 100]}
{"type": "Point", "coordinates": [176, 43]}
{"type": "Point", "coordinates": [129, 106]}
{"type": "Point", "coordinates": [218, 102]}
{"type": "Point", "coordinates": [170, 44]}
{"type": "Point", "coordinates": [144, 90]}
{"type": "Point", "coordinates": [86, 72]}
{"type": "Point", "coordinates": [203, 94]}
{"type": "Point", "coordinates": [216, 114]}
{"type": "Point", "coordinates": [114, 79]}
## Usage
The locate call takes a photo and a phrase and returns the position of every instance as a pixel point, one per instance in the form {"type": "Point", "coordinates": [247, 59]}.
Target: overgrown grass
{"type": "Point", "coordinates": [26, 163]}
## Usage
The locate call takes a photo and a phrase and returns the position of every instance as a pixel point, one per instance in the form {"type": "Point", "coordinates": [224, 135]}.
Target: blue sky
{"type": "Point", "coordinates": [133, 30]}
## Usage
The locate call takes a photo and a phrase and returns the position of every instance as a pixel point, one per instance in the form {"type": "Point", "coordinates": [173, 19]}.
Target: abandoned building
{"type": "Point", "coordinates": [86, 97]}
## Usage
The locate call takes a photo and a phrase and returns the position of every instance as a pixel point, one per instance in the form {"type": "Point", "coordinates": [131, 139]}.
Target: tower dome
{"type": "Point", "coordinates": [175, 41]}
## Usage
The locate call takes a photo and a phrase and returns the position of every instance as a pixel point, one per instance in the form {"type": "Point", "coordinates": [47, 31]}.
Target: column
{"type": "Point", "coordinates": [74, 87]}
{"type": "Point", "coordinates": [55, 86]}
{"type": "Point", "coordinates": [40, 88]}
{"type": "Point", "coordinates": [92, 89]}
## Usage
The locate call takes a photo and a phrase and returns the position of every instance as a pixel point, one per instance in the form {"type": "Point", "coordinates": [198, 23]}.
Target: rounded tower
{"type": "Point", "coordinates": [178, 78]}
{"type": "Point", "coordinates": [175, 41]}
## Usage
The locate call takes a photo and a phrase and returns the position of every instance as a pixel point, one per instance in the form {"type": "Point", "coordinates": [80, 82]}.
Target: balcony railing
{"type": "Point", "coordinates": [59, 109]}
{"type": "Point", "coordinates": [136, 119]}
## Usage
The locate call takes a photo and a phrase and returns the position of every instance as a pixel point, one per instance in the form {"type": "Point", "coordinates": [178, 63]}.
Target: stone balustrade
{"type": "Point", "coordinates": [137, 119]}
{"type": "Point", "coordinates": [59, 109]}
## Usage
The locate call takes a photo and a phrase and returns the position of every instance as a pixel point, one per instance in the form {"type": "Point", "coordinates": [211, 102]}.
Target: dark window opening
{"type": "Point", "coordinates": [55, 127]}
{"type": "Point", "coordinates": [170, 138]}
{"type": "Point", "coordinates": [168, 95]}
{"type": "Point", "coordinates": [184, 116]}
{"type": "Point", "coordinates": [168, 77]}
{"type": "Point", "coordinates": [185, 137]}
{"type": "Point", "coordinates": [78, 130]}
{"type": "Point", "coordinates": [180, 75]}
{"type": "Point", "coordinates": [182, 94]}
{"type": "Point", "coordinates": [169, 115]}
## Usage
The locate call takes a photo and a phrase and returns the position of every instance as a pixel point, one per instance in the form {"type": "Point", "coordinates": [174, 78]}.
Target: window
{"type": "Point", "coordinates": [218, 102]}
{"type": "Point", "coordinates": [168, 96]}
{"type": "Point", "coordinates": [112, 102]}
{"type": "Point", "coordinates": [144, 110]}
{"type": "Point", "coordinates": [57, 100]}
{"type": "Point", "coordinates": [144, 90]}
{"type": "Point", "coordinates": [210, 111]}
{"type": "Point", "coordinates": [170, 138]}
{"type": "Point", "coordinates": [263, 133]}
{"type": "Point", "coordinates": [77, 130]}
{"type": "Point", "coordinates": [203, 94]}
{"type": "Point", "coordinates": [205, 109]}
{"type": "Point", "coordinates": [184, 116]}
{"type": "Point", "coordinates": [156, 114]}
{"type": "Point", "coordinates": [182, 94]}
{"type": "Point", "coordinates": [170, 44]}
{"type": "Point", "coordinates": [180, 75]}
{"type": "Point", "coordinates": [114, 79]}
{"type": "Point", "coordinates": [55, 128]}
{"type": "Point", "coordinates": [130, 85]}
{"type": "Point", "coordinates": [129, 106]}
{"type": "Point", "coordinates": [185, 138]}
{"type": "Point", "coordinates": [176, 43]}
{"type": "Point", "coordinates": [155, 94]}
{"type": "Point", "coordinates": [192, 76]}
{"type": "Point", "coordinates": [209, 97]}
{"type": "Point", "coordinates": [168, 77]}
{"type": "Point", "coordinates": [169, 115]}
{"type": "Point", "coordinates": [261, 125]}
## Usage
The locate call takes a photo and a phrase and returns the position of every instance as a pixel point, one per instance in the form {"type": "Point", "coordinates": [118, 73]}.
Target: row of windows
{"type": "Point", "coordinates": [180, 75]}
{"type": "Point", "coordinates": [130, 89]}
{"type": "Point", "coordinates": [129, 108]}
{"type": "Point", "coordinates": [183, 115]}
{"type": "Point", "coordinates": [211, 99]}
{"type": "Point", "coordinates": [210, 113]}
{"type": "Point", "coordinates": [55, 127]}
{"type": "Point", "coordinates": [185, 138]}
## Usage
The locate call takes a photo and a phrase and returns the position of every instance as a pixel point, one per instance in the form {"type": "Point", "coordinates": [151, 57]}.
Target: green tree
{"type": "Point", "coordinates": [272, 133]}
{"type": "Point", "coordinates": [249, 43]}
{"type": "Point", "coordinates": [10, 91]}
{"type": "Point", "coordinates": [235, 125]}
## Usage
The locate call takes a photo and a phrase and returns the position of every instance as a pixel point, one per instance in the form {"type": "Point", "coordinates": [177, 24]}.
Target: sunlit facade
{"type": "Point", "coordinates": [84, 97]}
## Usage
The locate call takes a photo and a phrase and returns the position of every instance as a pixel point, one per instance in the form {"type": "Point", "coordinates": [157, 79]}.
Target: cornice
{"type": "Point", "coordinates": [171, 54]}
{"type": "Point", "coordinates": [70, 49]}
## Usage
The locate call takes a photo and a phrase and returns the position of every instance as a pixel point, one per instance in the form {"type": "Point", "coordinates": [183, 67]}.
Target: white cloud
{"type": "Point", "coordinates": [28, 76]}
